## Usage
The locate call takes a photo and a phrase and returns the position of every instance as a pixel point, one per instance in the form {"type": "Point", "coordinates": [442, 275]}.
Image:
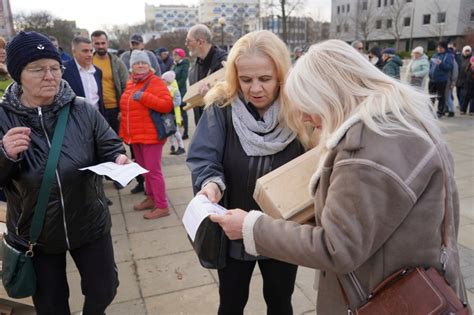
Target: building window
{"type": "Point", "coordinates": [338, 29]}
{"type": "Point", "coordinates": [384, 3]}
{"type": "Point", "coordinates": [442, 17]}
{"type": "Point", "coordinates": [364, 5]}
{"type": "Point", "coordinates": [408, 1]}
{"type": "Point", "coordinates": [348, 8]}
{"type": "Point", "coordinates": [389, 23]}
{"type": "Point", "coordinates": [378, 24]}
{"type": "Point", "coordinates": [379, 3]}
{"type": "Point", "coordinates": [426, 19]}
{"type": "Point", "coordinates": [346, 27]}
{"type": "Point", "coordinates": [391, 2]}
{"type": "Point", "coordinates": [338, 10]}
{"type": "Point", "coordinates": [343, 8]}
{"type": "Point", "coordinates": [407, 21]}
{"type": "Point", "coordinates": [472, 15]}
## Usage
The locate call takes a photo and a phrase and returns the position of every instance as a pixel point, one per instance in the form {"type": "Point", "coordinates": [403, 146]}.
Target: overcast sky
{"type": "Point", "coordinates": [95, 14]}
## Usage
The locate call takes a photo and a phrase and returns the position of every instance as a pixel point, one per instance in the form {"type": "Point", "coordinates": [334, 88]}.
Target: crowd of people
{"type": "Point", "coordinates": [447, 71]}
{"type": "Point", "coordinates": [264, 114]}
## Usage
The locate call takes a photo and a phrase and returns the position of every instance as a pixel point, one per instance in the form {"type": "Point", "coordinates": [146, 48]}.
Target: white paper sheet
{"type": "Point", "coordinates": [196, 211]}
{"type": "Point", "coordinates": [122, 174]}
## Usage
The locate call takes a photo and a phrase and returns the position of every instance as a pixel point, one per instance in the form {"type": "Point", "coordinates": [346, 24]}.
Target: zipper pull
{"type": "Point", "coordinates": [40, 113]}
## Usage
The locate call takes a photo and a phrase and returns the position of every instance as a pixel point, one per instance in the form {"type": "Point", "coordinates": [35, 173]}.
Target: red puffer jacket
{"type": "Point", "coordinates": [136, 125]}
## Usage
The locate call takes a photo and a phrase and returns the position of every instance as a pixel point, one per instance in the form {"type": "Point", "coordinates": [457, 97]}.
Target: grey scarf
{"type": "Point", "coordinates": [260, 138]}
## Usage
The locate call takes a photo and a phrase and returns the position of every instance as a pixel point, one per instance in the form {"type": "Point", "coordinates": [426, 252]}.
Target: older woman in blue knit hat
{"type": "Point", "coordinates": [77, 218]}
{"type": "Point", "coordinates": [392, 63]}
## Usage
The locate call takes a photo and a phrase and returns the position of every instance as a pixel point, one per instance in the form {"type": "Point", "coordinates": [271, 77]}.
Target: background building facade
{"type": "Point", "coordinates": [402, 24]}
{"type": "Point", "coordinates": [171, 17]}
{"type": "Point", "coordinates": [238, 16]}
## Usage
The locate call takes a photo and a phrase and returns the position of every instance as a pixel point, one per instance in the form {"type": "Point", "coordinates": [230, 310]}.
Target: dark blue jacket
{"type": "Point", "coordinates": [441, 72]}
{"type": "Point", "coordinates": [72, 76]}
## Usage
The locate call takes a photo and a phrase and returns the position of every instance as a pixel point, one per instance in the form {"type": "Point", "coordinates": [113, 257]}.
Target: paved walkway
{"type": "Point", "coordinates": [159, 271]}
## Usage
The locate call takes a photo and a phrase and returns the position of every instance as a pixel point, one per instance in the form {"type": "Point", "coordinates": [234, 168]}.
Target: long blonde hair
{"type": "Point", "coordinates": [335, 82]}
{"type": "Point", "coordinates": [255, 43]}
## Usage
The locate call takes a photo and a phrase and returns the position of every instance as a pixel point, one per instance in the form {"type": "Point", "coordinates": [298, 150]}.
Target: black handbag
{"type": "Point", "coordinates": [165, 124]}
{"type": "Point", "coordinates": [210, 245]}
{"type": "Point", "coordinates": [18, 274]}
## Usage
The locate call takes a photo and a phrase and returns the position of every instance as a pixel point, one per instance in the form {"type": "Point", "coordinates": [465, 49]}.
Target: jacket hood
{"type": "Point", "coordinates": [11, 99]}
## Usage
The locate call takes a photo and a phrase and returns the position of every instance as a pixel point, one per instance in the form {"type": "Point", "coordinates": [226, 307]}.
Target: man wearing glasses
{"type": "Point", "coordinates": [208, 59]}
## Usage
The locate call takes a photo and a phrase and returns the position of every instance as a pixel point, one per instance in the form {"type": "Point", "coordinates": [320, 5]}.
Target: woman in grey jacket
{"type": "Point", "coordinates": [240, 138]}
{"type": "Point", "coordinates": [379, 190]}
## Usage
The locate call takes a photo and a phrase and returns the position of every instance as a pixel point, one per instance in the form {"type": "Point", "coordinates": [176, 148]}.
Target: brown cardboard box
{"type": "Point", "coordinates": [192, 96]}
{"type": "Point", "coordinates": [284, 194]}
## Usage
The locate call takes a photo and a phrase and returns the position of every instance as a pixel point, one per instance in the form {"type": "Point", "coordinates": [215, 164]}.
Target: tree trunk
{"type": "Point", "coordinates": [284, 21]}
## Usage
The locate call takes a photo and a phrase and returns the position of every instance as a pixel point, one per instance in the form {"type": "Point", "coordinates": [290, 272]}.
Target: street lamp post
{"type": "Point", "coordinates": [222, 23]}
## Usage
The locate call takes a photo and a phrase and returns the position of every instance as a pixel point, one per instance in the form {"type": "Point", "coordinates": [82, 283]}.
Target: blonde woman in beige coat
{"type": "Point", "coordinates": [379, 186]}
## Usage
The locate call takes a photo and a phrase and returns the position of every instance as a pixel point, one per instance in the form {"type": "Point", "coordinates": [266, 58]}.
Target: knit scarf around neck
{"type": "Point", "coordinates": [141, 77]}
{"type": "Point", "coordinates": [260, 138]}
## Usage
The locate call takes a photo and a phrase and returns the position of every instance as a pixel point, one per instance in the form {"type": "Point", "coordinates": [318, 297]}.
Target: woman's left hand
{"type": "Point", "coordinates": [232, 222]}
{"type": "Point", "coordinates": [122, 159]}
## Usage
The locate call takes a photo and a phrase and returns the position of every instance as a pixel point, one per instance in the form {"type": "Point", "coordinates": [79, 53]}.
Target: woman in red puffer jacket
{"type": "Point", "coordinates": [145, 92]}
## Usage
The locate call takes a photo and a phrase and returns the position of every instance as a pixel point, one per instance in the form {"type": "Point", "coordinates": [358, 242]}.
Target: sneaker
{"type": "Point", "coordinates": [109, 202]}
{"type": "Point", "coordinates": [146, 204]}
{"type": "Point", "coordinates": [180, 151]}
{"type": "Point", "coordinates": [463, 113]}
{"type": "Point", "coordinates": [157, 213]}
{"type": "Point", "coordinates": [451, 114]}
{"type": "Point", "coordinates": [138, 189]}
{"type": "Point", "coordinates": [173, 150]}
{"type": "Point", "coordinates": [185, 136]}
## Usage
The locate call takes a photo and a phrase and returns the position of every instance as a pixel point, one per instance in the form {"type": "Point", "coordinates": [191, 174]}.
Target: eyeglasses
{"type": "Point", "coordinates": [189, 40]}
{"type": "Point", "coordinates": [40, 72]}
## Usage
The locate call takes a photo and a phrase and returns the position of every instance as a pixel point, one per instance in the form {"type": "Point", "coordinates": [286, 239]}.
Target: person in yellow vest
{"type": "Point", "coordinates": [114, 77]}
{"type": "Point", "coordinates": [170, 79]}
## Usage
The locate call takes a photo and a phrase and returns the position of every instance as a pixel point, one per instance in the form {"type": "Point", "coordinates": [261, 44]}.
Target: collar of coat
{"type": "Point", "coordinates": [352, 143]}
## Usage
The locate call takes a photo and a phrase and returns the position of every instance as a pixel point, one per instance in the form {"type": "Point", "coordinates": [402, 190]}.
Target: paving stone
{"type": "Point", "coordinates": [180, 209]}
{"type": "Point", "coordinates": [466, 236]}
{"type": "Point", "coordinates": [160, 242]}
{"type": "Point", "coordinates": [115, 208]}
{"type": "Point", "coordinates": [171, 273]}
{"type": "Point", "coordinates": [134, 307]}
{"type": "Point", "coordinates": [118, 224]}
{"type": "Point", "coordinates": [305, 282]}
{"type": "Point", "coordinates": [127, 290]}
{"type": "Point", "coordinates": [196, 301]}
{"type": "Point", "coordinates": [256, 303]}
{"type": "Point", "coordinates": [122, 251]}
{"type": "Point", "coordinates": [465, 186]}
{"type": "Point", "coordinates": [175, 182]}
{"type": "Point", "coordinates": [464, 169]}
{"type": "Point", "coordinates": [136, 223]}
{"type": "Point", "coordinates": [181, 196]}
{"type": "Point", "coordinates": [467, 208]}
{"type": "Point", "coordinates": [175, 170]}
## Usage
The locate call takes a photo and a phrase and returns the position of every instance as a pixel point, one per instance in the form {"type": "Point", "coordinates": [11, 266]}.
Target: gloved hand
{"type": "Point", "coordinates": [137, 96]}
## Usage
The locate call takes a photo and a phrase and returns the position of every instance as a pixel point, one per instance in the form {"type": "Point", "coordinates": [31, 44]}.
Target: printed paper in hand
{"type": "Point", "coordinates": [196, 211]}
{"type": "Point", "coordinates": [122, 174]}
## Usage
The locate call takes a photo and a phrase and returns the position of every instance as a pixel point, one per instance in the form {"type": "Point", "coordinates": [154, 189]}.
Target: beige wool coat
{"type": "Point", "coordinates": [379, 204]}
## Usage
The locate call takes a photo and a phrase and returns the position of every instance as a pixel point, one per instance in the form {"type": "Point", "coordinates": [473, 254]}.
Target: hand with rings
{"type": "Point", "coordinates": [16, 141]}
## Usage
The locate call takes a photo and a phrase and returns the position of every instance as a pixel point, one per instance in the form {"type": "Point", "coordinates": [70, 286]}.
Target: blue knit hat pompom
{"type": "Point", "coordinates": [27, 47]}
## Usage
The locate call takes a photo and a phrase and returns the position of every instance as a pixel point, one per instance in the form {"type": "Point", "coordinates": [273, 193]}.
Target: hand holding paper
{"type": "Point", "coordinates": [232, 222]}
{"type": "Point", "coordinates": [122, 174]}
{"type": "Point", "coordinates": [198, 209]}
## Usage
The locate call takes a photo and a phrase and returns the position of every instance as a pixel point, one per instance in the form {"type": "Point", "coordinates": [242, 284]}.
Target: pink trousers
{"type": "Point", "coordinates": [149, 157]}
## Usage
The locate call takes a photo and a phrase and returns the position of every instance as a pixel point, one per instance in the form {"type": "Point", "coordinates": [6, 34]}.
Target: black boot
{"type": "Point", "coordinates": [138, 189]}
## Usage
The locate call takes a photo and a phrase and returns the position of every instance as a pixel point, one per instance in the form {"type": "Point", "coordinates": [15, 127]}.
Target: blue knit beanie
{"type": "Point", "coordinates": [25, 48]}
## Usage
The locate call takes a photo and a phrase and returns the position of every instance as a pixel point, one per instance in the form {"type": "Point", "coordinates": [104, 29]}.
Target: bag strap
{"type": "Point", "coordinates": [145, 86]}
{"type": "Point", "coordinates": [48, 178]}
